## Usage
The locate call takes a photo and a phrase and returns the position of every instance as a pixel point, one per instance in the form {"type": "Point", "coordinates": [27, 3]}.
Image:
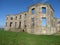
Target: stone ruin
{"type": "Point", "coordinates": [39, 19]}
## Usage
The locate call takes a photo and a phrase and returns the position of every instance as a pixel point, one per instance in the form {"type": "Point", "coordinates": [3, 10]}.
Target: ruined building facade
{"type": "Point", "coordinates": [32, 21]}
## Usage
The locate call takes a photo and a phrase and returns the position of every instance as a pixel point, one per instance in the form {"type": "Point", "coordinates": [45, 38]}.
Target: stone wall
{"type": "Point", "coordinates": [32, 22]}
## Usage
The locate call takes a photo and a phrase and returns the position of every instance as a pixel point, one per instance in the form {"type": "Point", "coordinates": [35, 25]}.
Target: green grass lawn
{"type": "Point", "coordinates": [21, 38]}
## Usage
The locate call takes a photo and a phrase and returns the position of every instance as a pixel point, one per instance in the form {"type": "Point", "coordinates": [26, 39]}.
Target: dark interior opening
{"type": "Point", "coordinates": [20, 25]}
{"type": "Point", "coordinates": [23, 30]}
{"type": "Point", "coordinates": [10, 24]}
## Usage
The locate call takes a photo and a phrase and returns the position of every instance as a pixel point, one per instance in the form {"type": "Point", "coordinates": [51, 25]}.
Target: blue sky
{"type": "Point", "coordinates": [18, 6]}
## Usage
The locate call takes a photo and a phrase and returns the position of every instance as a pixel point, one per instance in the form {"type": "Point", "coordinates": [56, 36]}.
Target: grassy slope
{"type": "Point", "coordinates": [13, 38]}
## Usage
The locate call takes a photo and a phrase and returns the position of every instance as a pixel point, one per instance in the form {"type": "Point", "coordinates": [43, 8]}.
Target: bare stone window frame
{"type": "Point", "coordinates": [25, 15]}
{"type": "Point", "coordinates": [33, 10]}
{"type": "Point", "coordinates": [44, 10]}
{"type": "Point", "coordinates": [58, 22]}
{"type": "Point", "coordinates": [19, 24]}
{"type": "Point", "coordinates": [16, 18]}
{"type": "Point", "coordinates": [33, 21]}
{"type": "Point", "coordinates": [11, 18]}
{"type": "Point", "coordinates": [11, 24]}
{"type": "Point", "coordinates": [20, 17]}
{"type": "Point", "coordinates": [44, 21]}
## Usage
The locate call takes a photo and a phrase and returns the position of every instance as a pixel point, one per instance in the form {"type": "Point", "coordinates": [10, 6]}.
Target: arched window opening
{"type": "Point", "coordinates": [11, 18]}
{"type": "Point", "coordinates": [11, 24]}
{"type": "Point", "coordinates": [33, 11]}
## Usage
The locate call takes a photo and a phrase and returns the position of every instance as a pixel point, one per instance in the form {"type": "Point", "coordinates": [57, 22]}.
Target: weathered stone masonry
{"type": "Point", "coordinates": [31, 21]}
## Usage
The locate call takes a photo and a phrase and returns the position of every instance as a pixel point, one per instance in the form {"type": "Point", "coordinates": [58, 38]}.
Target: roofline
{"type": "Point", "coordinates": [41, 4]}
{"type": "Point", "coordinates": [31, 6]}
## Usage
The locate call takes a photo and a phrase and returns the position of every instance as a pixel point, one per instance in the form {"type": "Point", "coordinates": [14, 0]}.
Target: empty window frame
{"type": "Point", "coordinates": [32, 22]}
{"type": "Point", "coordinates": [19, 24]}
{"type": "Point", "coordinates": [11, 18]}
{"type": "Point", "coordinates": [25, 26]}
{"type": "Point", "coordinates": [44, 10]}
{"type": "Point", "coordinates": [11, 24]}
{"type": "Point", "coordinates": [58, 22]}
{"type": "Point", "coordinates": [33, 10]}
{"type": "Point", "coordinates": [43, 21]}
{"type": "Point", "coordinates": [25, 15]}
{"type": "Point", "coordinates": [20, 16]}
{"type": "Point", "coordinates": [16, 17]}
